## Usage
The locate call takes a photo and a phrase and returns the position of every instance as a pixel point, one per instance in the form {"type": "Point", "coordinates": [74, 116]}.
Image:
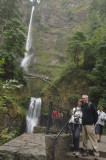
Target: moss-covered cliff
{"type": "Point", "coordinates": [65, 92]}
{"type": "Point", "coordinates": [53, 24]}
{"type": "Point", "coordinates": [13, 107]}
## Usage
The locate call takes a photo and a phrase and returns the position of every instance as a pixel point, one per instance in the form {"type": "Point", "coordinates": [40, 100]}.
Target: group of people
{"type": "Point", "coordinates": [87, 119]}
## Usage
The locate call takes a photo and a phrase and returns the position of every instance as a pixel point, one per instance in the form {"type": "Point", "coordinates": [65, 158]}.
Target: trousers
{"type": "Point", "coordinates": [88, 132]}
{"type": "Point", "coordinates": [76, 129]}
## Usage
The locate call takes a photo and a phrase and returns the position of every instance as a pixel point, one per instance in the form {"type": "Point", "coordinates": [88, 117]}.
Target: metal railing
{"type": "Point", "coordinates": [57, 124]}
{"type": "Point", "coordinates": [55, 140]}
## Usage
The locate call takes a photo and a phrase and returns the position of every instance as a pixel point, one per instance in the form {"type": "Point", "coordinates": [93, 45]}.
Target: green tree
{"type": "Point", "coordinates": [10, 67]}
{"type": "Point", "coordinates": [94, 23]}
{"type": "Point", "coordinates": [98, 90]}
{"type": "Point", "coordinates": [103, 7]}
{"type": "Point", "coordinates": [94, 5]}
{"type": "Point", "coordinates": [14, 37]}
{"type": "Point", "coordinates": [75, 47]}
{"type": "Point", "coordinates": [9, 9]}
{"type": "Point", "coordinates": [89, 56]}
{"type": "Point", "coordinates": [10, 64]}
{"type": "Point", "coordinates": [1, 65]}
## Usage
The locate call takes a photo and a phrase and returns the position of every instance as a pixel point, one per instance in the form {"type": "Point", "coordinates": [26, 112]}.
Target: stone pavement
{"type": "Point", "coordinates": [102, 150]}
{"type": "Point", "coordinates": [24, 147]}
{"type": "Point", "coordinates": [101, 145]}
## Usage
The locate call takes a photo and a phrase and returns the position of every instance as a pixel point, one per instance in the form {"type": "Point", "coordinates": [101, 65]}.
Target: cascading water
{"type": "Point", "coordinates": [27, 57]}
{"type": "Point", "coordinates": [25, 62]}
{"type": "Point", "coordinates": [33, 116]}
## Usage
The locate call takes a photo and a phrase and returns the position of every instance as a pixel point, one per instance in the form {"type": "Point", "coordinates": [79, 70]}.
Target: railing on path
{"type": "Point", "coordinates": [56, 119]}
{"type": "Point", "coordinates": [57, 123]}
{"type": "Point", "coordinates": [55, 140]}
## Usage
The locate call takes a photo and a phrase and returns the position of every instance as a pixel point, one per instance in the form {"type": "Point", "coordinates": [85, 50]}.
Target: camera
{"type": "Point", "coordinates": [76, 119]}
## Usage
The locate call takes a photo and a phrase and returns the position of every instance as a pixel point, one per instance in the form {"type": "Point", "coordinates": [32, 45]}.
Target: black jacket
{"type": "Point", "coordinates": [90, 115]}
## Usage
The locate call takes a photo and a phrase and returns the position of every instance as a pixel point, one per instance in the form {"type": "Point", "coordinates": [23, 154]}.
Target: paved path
{"type": "Point", "coordinates": [101, 145]}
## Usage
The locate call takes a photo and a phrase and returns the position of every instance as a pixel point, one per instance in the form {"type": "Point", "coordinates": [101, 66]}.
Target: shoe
{"type": "Point", "coordinates": [96, 158]}
{"type": "Point", "coordinates": [85, 154]}
{"type": "Point", "coordinates": [74, 153]}
{"type": "Point", "coordinates": [77, 154]}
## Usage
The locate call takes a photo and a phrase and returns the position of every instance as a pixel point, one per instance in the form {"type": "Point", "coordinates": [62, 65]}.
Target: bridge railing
{"type": "Point", "coordinates": [38, 76]}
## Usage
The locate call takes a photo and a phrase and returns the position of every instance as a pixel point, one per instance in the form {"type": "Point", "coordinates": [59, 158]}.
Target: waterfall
{"type": "Point", "coordinates": [25, 62]}
{"type": "Point", "coordinates": [27, 57]}
{"type": "Point", "coordinates": [32, 118]}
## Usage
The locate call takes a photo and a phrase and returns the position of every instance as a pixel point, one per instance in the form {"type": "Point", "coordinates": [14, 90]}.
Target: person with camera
{"type": "Point", "coordinates": [76, 125]}
{"type": "Point", "coordinates": [89, 119]}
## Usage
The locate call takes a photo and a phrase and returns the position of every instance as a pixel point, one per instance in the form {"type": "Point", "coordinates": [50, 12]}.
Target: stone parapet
{"type": "Point", "coordinates": [61, 147]}
{"type": "Point", "coordinates": [35, 147]}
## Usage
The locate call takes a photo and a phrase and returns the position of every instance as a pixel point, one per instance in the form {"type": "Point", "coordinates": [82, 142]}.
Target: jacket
{"type": "Point", "coordinates": [100, 116]}
{"type": "Point", "coordinates": [90, 114]}
{"type": "Point", "coordinates": [77, 114]}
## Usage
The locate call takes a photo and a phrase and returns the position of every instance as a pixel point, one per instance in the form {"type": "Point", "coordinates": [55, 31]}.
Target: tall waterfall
{"type": "Point", "coordinates": [32, 118]}
{"type": "Point", "coordinates": [25, 62]}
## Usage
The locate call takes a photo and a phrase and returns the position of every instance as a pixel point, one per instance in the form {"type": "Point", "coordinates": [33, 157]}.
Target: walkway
{"type": "Point", "coordinates": [102, 150]}
{"type": "Point", "coordinates": [101, 145]}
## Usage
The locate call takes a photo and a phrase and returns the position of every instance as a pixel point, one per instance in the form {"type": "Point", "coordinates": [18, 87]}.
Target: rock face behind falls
{"type": "Point", "coordinates": [53, 24]}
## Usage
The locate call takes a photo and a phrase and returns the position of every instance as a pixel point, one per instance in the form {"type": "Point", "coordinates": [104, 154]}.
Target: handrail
{"type": "Point", "coordinates": [53, 151]}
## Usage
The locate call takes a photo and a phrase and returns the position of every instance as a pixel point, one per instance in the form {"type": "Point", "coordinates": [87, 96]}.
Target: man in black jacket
{"type": "Point", "coordinates": [89, 120]}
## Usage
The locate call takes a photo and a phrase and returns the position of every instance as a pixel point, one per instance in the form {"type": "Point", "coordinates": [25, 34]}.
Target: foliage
{"type": "Point", "coordinates": [103, 7]}
{"type": "Point", "coordinates": [94, 5]}
{"type": "Point", "coordinates": [10, 66]}
{"type": "Point", "coordinates": [75, 47]}
{"type": "Point", "coordinates": [5, 135]}
{"type": "Point", "coordinates": [89, 55]}
{"type": "Point", "coordinates": [94, 23]}
{"type": "Point", "coordinates": [45, 111]}
{"type": "Point", "coordinates": [8, 9]}
{"type": "Point", "coordinates": [99, 72]}
{"type": "Point", "coordinates": [5, 87]}
{"type": "Point", "coordinates": [14, 37]}
{"type": "Point", "coordinates": [1, 64]}
{"type": "Point", "coordinates": [11, 84]}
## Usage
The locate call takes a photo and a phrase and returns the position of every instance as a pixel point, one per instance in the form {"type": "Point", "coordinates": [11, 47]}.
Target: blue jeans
{"type": "Point", "coordinates": [76, 129]}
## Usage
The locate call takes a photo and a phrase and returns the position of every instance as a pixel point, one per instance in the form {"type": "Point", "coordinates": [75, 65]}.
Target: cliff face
{"type": "Point", "coordinates": [53, 24]}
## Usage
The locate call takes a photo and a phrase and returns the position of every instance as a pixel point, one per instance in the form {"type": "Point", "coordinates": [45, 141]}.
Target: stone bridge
{"type": "Point", "coordinates": [38, 76]}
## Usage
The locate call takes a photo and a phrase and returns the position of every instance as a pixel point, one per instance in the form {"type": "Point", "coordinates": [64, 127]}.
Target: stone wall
{"type": "Point", "coordinates": [35, 147]}
{"type": "Point", "coordinates": [61, 147]}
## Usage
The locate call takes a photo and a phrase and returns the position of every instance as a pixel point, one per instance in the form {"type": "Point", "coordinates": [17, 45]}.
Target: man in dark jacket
{"type": "Point", "coordinates": [89, 120]}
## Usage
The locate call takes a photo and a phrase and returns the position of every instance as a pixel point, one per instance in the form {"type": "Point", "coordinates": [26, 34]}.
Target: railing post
{"type": "Point", "coordinates": [49, 117]}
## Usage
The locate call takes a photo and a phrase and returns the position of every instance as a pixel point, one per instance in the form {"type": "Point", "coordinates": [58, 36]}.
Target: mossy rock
{"type": "Point", "coordinates": [39, 129]}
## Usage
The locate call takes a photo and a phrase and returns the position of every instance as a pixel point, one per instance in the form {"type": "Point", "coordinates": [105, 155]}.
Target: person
{"type": "Point", "coordinates": [56, 114]}
{"type": "Point", "coordinates": [76, 123]}
{"type": "Point", "coordinates": [89, 120]}
{"type": "Point", "coordinates": [100, 123]}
